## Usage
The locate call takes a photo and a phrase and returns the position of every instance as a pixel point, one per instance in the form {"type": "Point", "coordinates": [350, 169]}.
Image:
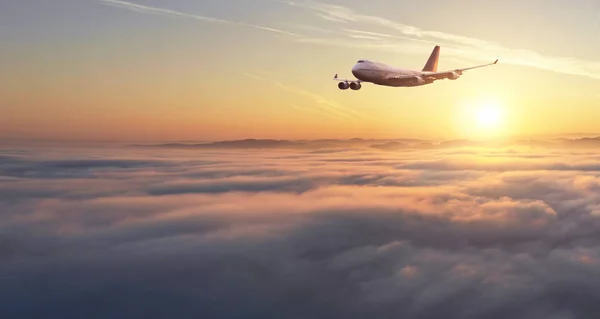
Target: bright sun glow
{"type": "Point", "coordinates": [488, 120]}
{"type": "Point", "coordinates": [482, 118]}
{"type": "Point", "coordinates": [489, 116]}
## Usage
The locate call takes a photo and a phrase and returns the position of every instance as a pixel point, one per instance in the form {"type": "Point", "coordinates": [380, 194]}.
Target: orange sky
{"type": "Point", "coordinates": [120, 73]}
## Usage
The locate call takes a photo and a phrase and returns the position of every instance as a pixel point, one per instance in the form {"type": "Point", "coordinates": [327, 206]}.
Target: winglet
{"type": "Point", "coordinates": [336, 76]}
{"type": "Point", "coordinates": [496, 61]}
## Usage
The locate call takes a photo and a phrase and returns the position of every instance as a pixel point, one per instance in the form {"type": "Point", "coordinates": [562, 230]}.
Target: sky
{"type": "Point", "coordinates": [389, 217]}
{"type": "Point", "coordinates": [151, 70]}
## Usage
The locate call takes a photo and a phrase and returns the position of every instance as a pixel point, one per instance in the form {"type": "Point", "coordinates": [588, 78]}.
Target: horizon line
{"type": "Point", "coordinates": [147, 141]}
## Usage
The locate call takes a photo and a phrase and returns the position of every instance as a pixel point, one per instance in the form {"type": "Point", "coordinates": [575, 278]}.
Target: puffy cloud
{"type": "Point", "coordinates": [349, 232]}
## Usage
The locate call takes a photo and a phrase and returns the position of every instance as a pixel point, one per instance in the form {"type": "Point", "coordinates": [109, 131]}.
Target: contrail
{"type": "Point", "coordinates": [331, 106]}
{"type": "Point", "coordinates": [167, 12]}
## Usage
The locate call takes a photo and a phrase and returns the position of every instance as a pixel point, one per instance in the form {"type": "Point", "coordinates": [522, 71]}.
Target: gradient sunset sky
{"type": "Point", "coordinates": [230, 69]}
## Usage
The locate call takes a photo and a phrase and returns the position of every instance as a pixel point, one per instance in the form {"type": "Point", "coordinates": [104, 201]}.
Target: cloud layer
{"type": "Point", "coordinates": [348, 232]}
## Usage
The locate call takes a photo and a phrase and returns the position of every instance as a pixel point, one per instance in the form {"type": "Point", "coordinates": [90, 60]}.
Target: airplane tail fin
{"type": "Point", "coordinates": [432, 63]}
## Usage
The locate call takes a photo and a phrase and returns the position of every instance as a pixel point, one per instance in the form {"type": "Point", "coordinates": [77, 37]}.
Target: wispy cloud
{"type": "Point", "coordinates": [361, 35]}
{"type": "Point", "coordinates": [368, 33]}
{"type": "Point", "coordinates": [310, 28]}
{"type": "Point", "coordinates": [339, 13]}
{"type": "Point", "coordinates": [326, 103]}
{"type": "Point", "coordinates": [454, 45]}
{"type": "Point", "coordinates": [311, 110]}
{"type": "Point", "coordinates": [155, 10]}
{"type": "Point", "coordinates": [329, 107]}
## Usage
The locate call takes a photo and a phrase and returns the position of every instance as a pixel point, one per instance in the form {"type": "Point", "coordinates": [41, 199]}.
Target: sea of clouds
{"type": "Point", "coordinates": [353, 232]}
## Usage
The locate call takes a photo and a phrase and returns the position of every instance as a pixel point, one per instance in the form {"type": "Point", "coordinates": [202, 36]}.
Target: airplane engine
{"type": "Point", "coordinates": [343, 85]}
{"type": "Point", "coordinates": [419, 80]}
{"type": "Point", "coordinates": [355, 86]}
{"type": "Point", "coordinates": [453, 76]}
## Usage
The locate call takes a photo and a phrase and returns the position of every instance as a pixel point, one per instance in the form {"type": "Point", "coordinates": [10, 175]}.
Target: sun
{"type": "Point", "coordinates": [482, 118]}
{"type": "Point", "coordinates": [488, 116]}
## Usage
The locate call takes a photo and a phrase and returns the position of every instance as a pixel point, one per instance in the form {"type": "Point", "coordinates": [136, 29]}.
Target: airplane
{"type": "Point", "coordinates": [387, 75]}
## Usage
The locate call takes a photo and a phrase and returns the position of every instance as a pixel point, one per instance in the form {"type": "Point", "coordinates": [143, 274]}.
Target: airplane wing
{"type": "Point", "coordinates": [336, 78]}
{"type": "Point", "coordinates": [449, 74]}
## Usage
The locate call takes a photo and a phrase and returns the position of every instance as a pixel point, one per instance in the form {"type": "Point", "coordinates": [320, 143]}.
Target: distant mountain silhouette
{"type": "Point", "coordinates": [586, 142]}
{"type": "Point", "coordinates": [457, 143]}
{"type": "Point", "coordinates": [248, 143]}
{"type": "Point", "coordinates": [283, 144]}
{"type": "Point", "coordinates": [383, 144]}
{"type": "Point", "coordinates": [391, 146]}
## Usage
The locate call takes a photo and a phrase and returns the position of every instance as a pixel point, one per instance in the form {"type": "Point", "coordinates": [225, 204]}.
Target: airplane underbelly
{"type": "Point", "coordinates": [401, 83]}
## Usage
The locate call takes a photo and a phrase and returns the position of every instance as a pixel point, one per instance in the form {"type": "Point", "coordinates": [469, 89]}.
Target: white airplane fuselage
{"type": "Point", "coordinates": [384, 74]}
{"type": "Point", "coordinates": [381, 73]}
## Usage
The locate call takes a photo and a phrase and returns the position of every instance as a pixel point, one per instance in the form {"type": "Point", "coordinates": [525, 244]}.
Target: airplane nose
{"type": "Point", "coordinates": [356, 71]}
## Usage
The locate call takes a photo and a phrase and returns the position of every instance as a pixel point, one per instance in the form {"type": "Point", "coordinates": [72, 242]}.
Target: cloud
{"type": "Point", "coordinates": [155, 10]}
{"type": "Point", "coordinates": [330, 107]}
{"type": "Point", "coordinates": [347, 232]}
{"type": "Point", "coordinates": [462, 146]}
{"type": "Point", "coordinates": [454, 45]}
{"type": "Point", "coordinates": [326, 103]}
{"type": "Point", "coordinates": [400, 38]}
